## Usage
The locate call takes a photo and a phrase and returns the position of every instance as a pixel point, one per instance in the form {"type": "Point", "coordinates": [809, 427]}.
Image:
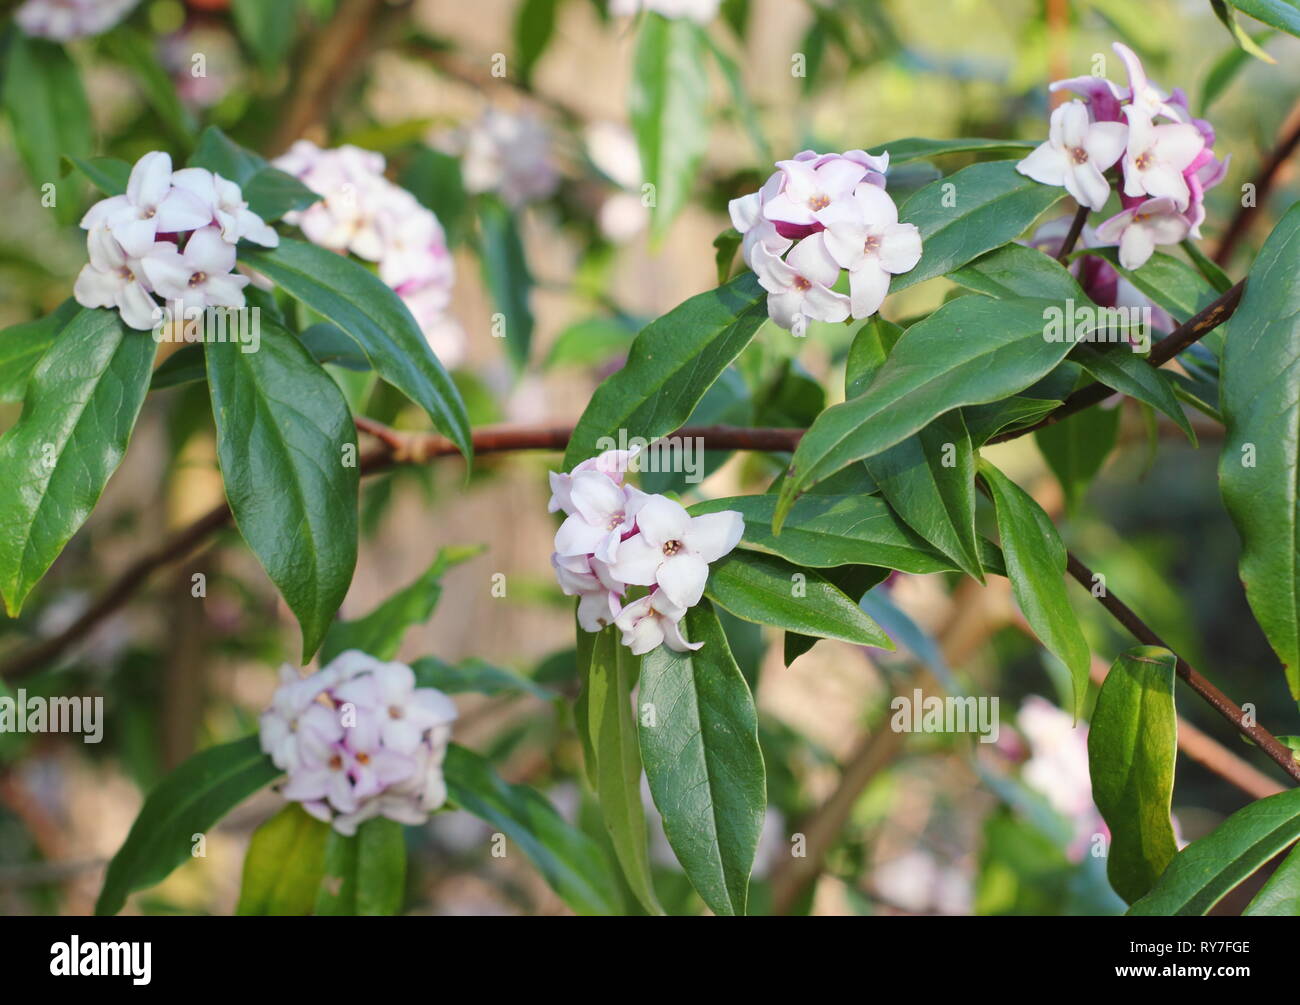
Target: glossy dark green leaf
{"type": "Point", "coordinates": [608, 677]}
{"type": "Point", "coordinates": [1228, 16]}
{"type": "Point", "coordinates": [699, 744]}
{"type": "Point", "coordinates": [287, 448]}
{"type": "Point", "coordinates": [48, 113]}
{"type": "Point", "coordinates": [22, 345]}
{"type": "Point", "coordinates": [380, 632]}
{"type": "Point", "coordinates": [284, 864]}
{"type": "Point", "coordinates": [1209, 868]}
{"type": "Point", "coordinates": [270, 192]}
{"type": "Point", "coordinates": [1171, 283]}
{"type": "Point", "coordinates": [108, 174]}
{"type": "Point", "coordinates": [1259, 470]}
{"type": "Point", "coordinates": [972, 350]}
{"type": "Point", "coordinates": [1131, 374]}
{"type": "Point", "coordinates": [1015, 270]}
{"type": "Point", "coordinates": [915, 148]}
{"type": "Point", "coordinates": [364, 874]}
{"type": "Point", "coordinates": [1076, 448]}
{"type": "Point", "coordinates": [376, 319]}
{"type": "Point", "coordinates": [187, 802]}
{"type": "Point", "coordinates": [572, 863]}
{"type": "Point", "coordinates": [81, 404]}
{"type": "Point", "coordinates": [1281, 14]}
{"type": "Point", "coordinates": [506, 276]}
{"type": "Point", "coordinates": [853, 581]}
{"type": "Point", "coordinates": [672, 363]}
{"type": "Point", "coordinates": [1132, 746]}
{"type": "Point", "coordinates": [1035, 559]}
{"type": "Point", "coordinates": [768, 590]}
{"type": "Point", "coordinates": [1280, 896]}
{"type": "Point", "coordinates": [668, 109]}
{"type": "Point", "coordinates": [975, 210]}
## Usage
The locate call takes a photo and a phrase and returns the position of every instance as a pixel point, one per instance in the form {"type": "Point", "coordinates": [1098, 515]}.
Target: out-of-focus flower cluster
{"type": "Point", "coordinates": [64, 20]}
{"type": "Point", "coordinates": [615, 536]}
{"type": "Point", "coordinates": [364, 213]}
{"type": "Point", "coordinates": [824, 213]}
{"type": "Point", "coordinates": [1164, 157]}
{"type": "Point", "coordinates": [172, 234]}
{"type": "Point", "coordinates": [359, 740]}
{"type": "Point", "coordinates": [504, 153]}
{"type": "Point", "coordinates": [699, 11]}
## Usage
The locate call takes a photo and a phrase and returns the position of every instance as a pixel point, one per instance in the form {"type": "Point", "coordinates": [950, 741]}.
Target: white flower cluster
{"type": "Point", "coordinates": [172, 235]}
{"type": "Point", "coordinates": [506, 153]}
{"type": "Point", "coordinates": [699, 11]}
{"type": "Point", "coordinates": [364, 213]}
{"type": "Point", "coordinates": [830, 212]}
{"type": "Point", "coordinates": [359, 740]}
{"type": "Point", "coordinates": [616, 536]}
{"type": "Point", "coordinates": [64, 20]}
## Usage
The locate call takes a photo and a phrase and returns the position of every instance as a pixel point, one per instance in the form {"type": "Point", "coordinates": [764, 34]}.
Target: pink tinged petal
{"type": "Point", "coordinates": [105, 251]}
{"type": "Point", "coordinates": [868, 287]}
{"type": "Point", "coordinates": [199, 182]}
{"type": "Point", "coordinates": [1046, 164]}
{"type": "Point", "coordinates": [150, 179]}
{"type": "Point", "coordinates": [139, 310]}
{"type": "Point", "coordinates": [1105, 143]}
{"type": "Point", "coordinates": [606, 578]}
{"type": "Point", "coordinates": [225, 291]}
{"type": "Point", "coordinates": [682, 577]}
{"type": "Point", "coordinates": [578, 537]}
{"type": "Point", "coordinates": [715, 534]}
{"type": "Point", "coordinates": [638, 562]}
{"type": "Point", "coordinates": [876, 204]}
{"type": "Point", "coordinates": [784, 209]}
{"type": "Point", "coordinates": [1178, 145]}
{"type": "Point", "coordinates": [745, 211]}
{"type": "Point", "coordinates": [1135, 247]}
{"type": "Point", "coordinates": [900, 247]}
{"type": "Point", "coordinates": [644, 636]}
{"type": "Point", "coordinates": [1137, 77]}
{"type": "Point", "coordinates": [136, 236]}
{"type": "Point", "coordinates": [810, 259]}
{"type": "Point", "coordinates": [96, 288]}
{"type": "Point", "coordinates": [1164, 181]}
{"type": "Point", "coordinates": [800, 183]}
{"type": "Point", "coordinates": [104, 210]}
{"type": "Point", "coordinates": [1088, 185]}
{"type": "Point", "coordinates": [633, 613]}
{"type": "Point", "coordinates": [785, 309]}
{"type": "Point", "coordinates": [774, 275]}
{"type": "Point", "coordinates": [836, 178]}
{"type": "Point", "coordinates": [821, 304]}
{"type": "Point", "coordinates": [307, 784]}
{"type": "Point", "coordinates": [207, 252]}
{"type": "Point", "coordinates": [1074, 124]}
{"type": "Point", "coordinates": [596, 498]}
{"type": "Point", "coordinates": [253, 228]}
{"type": "Point", "coordinates": [1110, 231]}
{"type": "Point", "coordinates": [1168, 227]}
{"type": "Point", "coordinates": [596, 611]}
{"type": "Point", "coordinates": [661, 520]}
{"type": "Point", "coordinates": [607, 549]}
{"type": "Point", "coordinates": [674, 639]}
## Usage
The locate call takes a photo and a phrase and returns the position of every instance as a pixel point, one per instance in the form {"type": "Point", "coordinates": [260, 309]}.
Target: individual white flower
{"type": "Point", "coordinates": [404, 713]}
{"type": "Point", "coordinates": [611, 463]}
{"type": "Point", "coordinates": [1157, 156]}
{"type": "Point", "coordinates": [229, 208]}
{"type": "Point", "coordinates": [113, 279]}
{"type": "Point", "coordinates": [1076, 153]}
{"type": "Point", "coordinates": [150, 207]}
{"type": "Point", "coordinates": [64, 20]}
{"type": "Point", "coordinates": [199, 277]}
{"type": "Point", "coordinates": [1138, 229]}
{"type": "Point", "coordinates": [673, 549]}
{"type": "Point", "coordinates": [604, 513]}
{"type": "Point", "coordinates": [297, 729]}
{"type": "Point", "coordinates": [799, 286]}
{"type": "Point", "coordinates": [652, 621]}
{"type": "Point", "coordinates": [864, 236]}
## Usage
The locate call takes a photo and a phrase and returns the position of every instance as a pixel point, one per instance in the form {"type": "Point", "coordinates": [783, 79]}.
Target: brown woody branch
{"type": "Point", "coordinates": [1288, 141]}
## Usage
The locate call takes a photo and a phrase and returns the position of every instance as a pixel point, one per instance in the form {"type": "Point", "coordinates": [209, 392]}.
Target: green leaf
{"type": "Point", "coordinates": [591, 342]}
{"type": "Point", "coordinates": [668, 103]}
{"type": "Point", "coordinates": [1171, 283]}
{"type": "Point", "coordinates": [608, 677]}
{"type": "Point", "coordinates": [1036, 561]}
{"type": "Point", "coordinates": [1281, 14]}
{"type": "Point", "coordinates": [268, 29]}
{"type": "Point", "coordinates": [1015, 270]}
{"type": "Point", "coordinates": [975, 210]}
{"type": "Point", "coordinates": [1259, 470]}
{"type": "Point", "coordinates": [830, 530]}
{"type": "Point", "coordinates": [1229, 18]}
{"type": "Point", "coordinates": [1208, 869]}
{"type": "Point", "coordinates": [868, 351]}
{"type": "Point", "coordinates": [477, 676]}
{"type": "Point", "coordinates": [434, 178]}
{"type": "Point", "coordinates": [672, 362]}
{"type": "Point", "coordinates": [929, 480]}
{"type": "Point", "coordinates": [82, 400]}
{"type": "Point", "coordinates": [364, 874]}
{"type": "Point", "coordinates": [572, 863]}
{"type": "Point", "coordinates": [22, 345]}
{"type": "Point", "coordinates": [136, 52]}
{"type": "Point", "coordinates": [768, 590]}
{"type": "Point", "coordinates": [915, 148]}
{"type": "Point", "coordinates": [1076, 448]}
{"type": "Point", "coordinates": [380, 632]}
{"type": "Point", "coordinates": [48, 112]}
{"type": "Point", "coordinates": [269, 191]}
{"type": "Point", "coordinates": [506, 276]}
{"type": "Point", "coordinates": [284, 865]}
{"type": "Point", "coordinates": [376, 319]}
{"type": "Point", "coordinates": [1132, 745]}
{"type": "Point", "coordinates": [533, 27]}
{"type": "Point", "coordinates": [971, 350]}
{"type": "Point", "coordinates": [287, 448]}
{"type": "Point", "coordinates": [187, 802]}
{"type": "Point", "coordinates": [1224, 70]}
{"type": "Point", "coordinates": [852, 581]}
{"type": "Point", "coordinates": [1131, 374]}
{"type": "Point", "coordinates": [703, 762]}
{"type": "Point", "coordinates": [108, 174]}
{"type": "Point", "coordinates": [1280, 896]}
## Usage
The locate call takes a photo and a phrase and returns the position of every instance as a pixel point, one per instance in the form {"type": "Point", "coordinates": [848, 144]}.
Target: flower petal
{"type": "Point", "coordinates": [715, 534]}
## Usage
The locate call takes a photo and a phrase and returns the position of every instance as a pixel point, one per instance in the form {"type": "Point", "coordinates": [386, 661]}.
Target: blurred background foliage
{"type": "Point", "coordinates": [928, 823]}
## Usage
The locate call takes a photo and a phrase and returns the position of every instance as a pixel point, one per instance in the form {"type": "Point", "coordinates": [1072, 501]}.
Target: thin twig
{"type": "Point", "coordinates": [1288, 141]}
{"type": "Point", "coordinates": [1072, 236]}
